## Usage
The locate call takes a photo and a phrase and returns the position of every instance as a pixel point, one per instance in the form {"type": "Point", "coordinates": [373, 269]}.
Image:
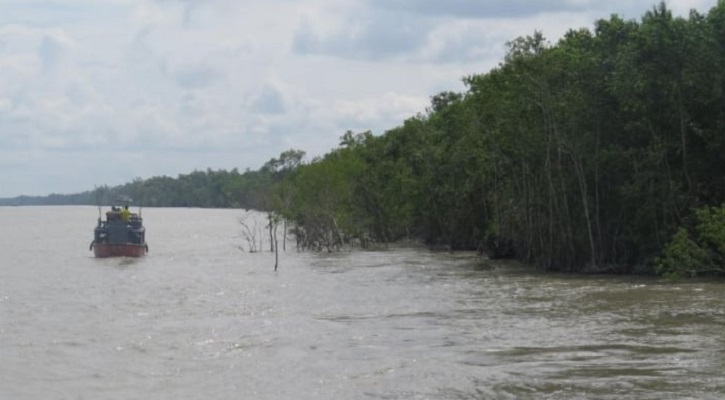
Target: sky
{"type": "Point", "coordinates": [101, 92]}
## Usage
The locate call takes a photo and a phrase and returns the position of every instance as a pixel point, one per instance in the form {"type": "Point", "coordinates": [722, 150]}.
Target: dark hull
{"type": "Point", "coordinates": [104, 250]}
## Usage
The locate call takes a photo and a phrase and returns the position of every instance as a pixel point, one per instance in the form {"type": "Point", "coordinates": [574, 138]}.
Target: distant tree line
{"type": "Point", "coordinates": [208, 189]}
{"type": "Point", "coordinates": [54, 199]}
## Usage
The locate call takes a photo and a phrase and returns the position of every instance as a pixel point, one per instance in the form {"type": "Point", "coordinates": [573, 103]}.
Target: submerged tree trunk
{"type": "Point", "coordinates": [272, 239]}
{"type": "Point", "coordinates": [276, 248]}
{"type": "Point", "coordinates": [284, 236]}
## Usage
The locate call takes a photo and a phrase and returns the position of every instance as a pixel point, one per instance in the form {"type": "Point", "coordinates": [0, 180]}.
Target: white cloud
{"type": "Point", "coordinates": [101, 92]}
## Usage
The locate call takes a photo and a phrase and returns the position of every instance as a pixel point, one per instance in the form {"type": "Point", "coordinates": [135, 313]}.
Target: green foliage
{"type": "Point", "coordinates": [684, 256]}
{"type": "Point", "coordinates": [587, 154]}
{"type": "Point", "coordinates": [322, 198]}
{"type": "Point", "coordinates": [711, 228]}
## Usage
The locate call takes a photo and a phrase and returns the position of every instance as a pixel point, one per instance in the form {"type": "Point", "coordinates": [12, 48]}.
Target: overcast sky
{"type": "Point", "coordinates": [99, 92]}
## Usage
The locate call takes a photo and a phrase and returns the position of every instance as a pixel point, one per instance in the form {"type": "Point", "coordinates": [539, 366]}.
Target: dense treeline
{"type": "Point", "coordinates": [589, 154]}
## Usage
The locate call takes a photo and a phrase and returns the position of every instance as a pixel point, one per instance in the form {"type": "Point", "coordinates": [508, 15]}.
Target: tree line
{"type": "Point", "coordinates": [604, 152]}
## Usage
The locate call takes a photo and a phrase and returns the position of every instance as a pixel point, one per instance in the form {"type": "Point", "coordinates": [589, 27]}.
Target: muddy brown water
{"type": "Point", "coordinates": [199, 319]}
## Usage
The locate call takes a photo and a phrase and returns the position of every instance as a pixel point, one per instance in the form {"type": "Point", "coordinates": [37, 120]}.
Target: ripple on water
{"type": "Point", "coordinates": [197, 318]}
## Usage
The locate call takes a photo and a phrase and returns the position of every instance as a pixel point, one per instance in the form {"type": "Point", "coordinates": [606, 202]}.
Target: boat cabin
{"type": "Point", "coordinates": [121, 233]}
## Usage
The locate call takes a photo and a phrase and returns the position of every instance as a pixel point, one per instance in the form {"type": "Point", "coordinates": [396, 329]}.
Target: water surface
{"type": "Point", "coordinates": [199, 319]}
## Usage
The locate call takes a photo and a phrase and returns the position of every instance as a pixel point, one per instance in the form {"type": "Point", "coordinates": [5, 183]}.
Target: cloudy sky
{"type": "Point", "coordinates": [99, 92]}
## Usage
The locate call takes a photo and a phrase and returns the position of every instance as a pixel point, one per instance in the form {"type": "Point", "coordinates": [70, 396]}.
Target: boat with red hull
{"type": "Point", "coordinates": [121, 234]}
{"type": "Point", "coordinates": [104, 250]}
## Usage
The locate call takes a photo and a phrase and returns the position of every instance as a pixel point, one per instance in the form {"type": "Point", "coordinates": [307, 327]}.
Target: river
{"type": "Point", "coordinates": [198, 318]}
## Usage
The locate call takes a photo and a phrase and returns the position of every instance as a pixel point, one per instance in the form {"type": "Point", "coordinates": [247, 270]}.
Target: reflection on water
{"type": "Point", "coordinates": [197, 318]}
{"type": "Point", "coordinates": [125, 262]}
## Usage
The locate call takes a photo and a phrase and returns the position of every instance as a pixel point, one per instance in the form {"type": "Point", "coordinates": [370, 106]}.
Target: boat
{"type": "Point", "coordinates": [121, 234]}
